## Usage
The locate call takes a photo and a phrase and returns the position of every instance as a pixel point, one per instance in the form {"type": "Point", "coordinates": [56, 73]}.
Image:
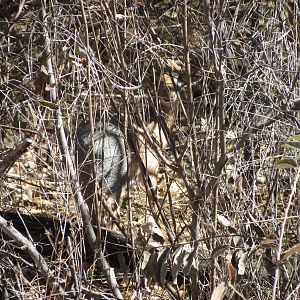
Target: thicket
{"type": "Point", "coordinates": [227, 200]}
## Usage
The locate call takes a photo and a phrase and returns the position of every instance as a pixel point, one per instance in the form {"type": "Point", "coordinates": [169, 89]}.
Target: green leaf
{"type": "Point", "coordinates": [292, 145]}
{"type": "Point", "coordinates": [286, 163]}
{"type": "Point", "coordinates": [90, 272]}
{"type": "Point", "coordinates": [22, 118]}
{"type": "Point", "coordinates": [296, 137]}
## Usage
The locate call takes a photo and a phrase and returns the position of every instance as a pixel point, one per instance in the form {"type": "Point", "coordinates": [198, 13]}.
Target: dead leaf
{"type": "Point", "coordinates": [219, 292]}
{"type": "Point", "coordinates": [238, 260]}
{"type": "Point", "coordinates": [219, 250]}
{"type": "Point", "coordinates": [162, 266]}
{"type": "Point", "coordinates": [242, 262]}
{"type": "Point", "coordinates": [48, 104]}
{"type": "Point", "coordinates": [224, 221]}
{"type": "Point", "coordinates": [150, 263]}
{"type": "Point", "coordinates": [189, 262]}
{"type": "Point", "coordinates": [179, 255]}
{"type": "Point", "coordinates": [151, 233]}
{"type": "Point", "coordinates": [287, 254]}
{"type": "Point", "coordinates": [269, 240]}
{"type": "Point", "coordinates": [232, 272]}
{"type": "Point", "coordinates": [41, 80]}
{"type": "Point", "coordinates": [150, 227]}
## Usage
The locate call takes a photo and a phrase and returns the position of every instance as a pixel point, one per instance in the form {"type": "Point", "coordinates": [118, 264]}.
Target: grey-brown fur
{"type": "Point", "coordinates": [111, 161]}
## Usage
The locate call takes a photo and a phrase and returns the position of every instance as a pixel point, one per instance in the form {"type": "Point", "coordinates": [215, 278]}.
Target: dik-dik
{"type": "Point", "coordinates": [116, 162]}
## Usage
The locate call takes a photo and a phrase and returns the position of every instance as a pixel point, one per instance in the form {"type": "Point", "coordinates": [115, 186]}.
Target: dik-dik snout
{"type": "Point", "coordinates": [148, 141]}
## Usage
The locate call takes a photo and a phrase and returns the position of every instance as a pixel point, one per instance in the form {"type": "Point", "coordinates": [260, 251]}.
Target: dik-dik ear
{"type": "Point", "coordinates": [168, 93]}
{"type": "Point", "coordinates": [170, 81]}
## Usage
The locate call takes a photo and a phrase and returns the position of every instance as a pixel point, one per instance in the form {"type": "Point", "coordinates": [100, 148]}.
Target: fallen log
{"type": "Point", "coordinates": [49, 235]}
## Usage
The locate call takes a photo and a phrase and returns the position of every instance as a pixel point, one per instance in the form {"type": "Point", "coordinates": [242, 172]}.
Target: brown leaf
{"type": "Point", "coordinates": [232, 272]}
{"type": "Point", "coordinates": [219, 250]}
{"type": "Point", "coordinates": [40, 81]}
{"type": "Point", "coordinates": [48, 104]}
{"type": "Point", "coordinates": [269, 240]}
{"type": "Point", "coordinates": [287, 254]}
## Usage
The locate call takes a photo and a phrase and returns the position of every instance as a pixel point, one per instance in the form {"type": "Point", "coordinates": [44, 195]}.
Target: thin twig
{"type": "Point", "coordinates": [286, 215]}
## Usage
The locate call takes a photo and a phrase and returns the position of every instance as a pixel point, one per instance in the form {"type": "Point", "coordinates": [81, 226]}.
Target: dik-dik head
{"type": "Point", "coordinates": [153, 139]}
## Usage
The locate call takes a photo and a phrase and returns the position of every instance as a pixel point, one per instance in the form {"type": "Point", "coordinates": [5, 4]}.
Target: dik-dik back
{"type": "Point", "coordinates": [111, 161]}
